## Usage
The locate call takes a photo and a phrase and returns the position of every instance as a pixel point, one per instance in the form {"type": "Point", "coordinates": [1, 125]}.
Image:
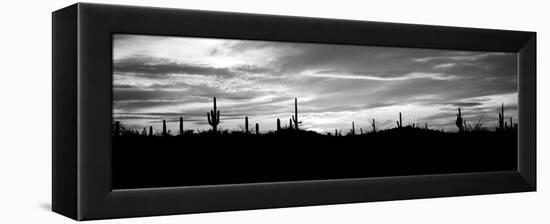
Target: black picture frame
{"type": "Point", "coordinates": [82, 81]}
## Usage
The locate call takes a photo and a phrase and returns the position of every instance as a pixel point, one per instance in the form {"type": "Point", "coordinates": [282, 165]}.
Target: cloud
{"type": "Point", "coordinates": [198, 91]}
{"type": "Point", "coordinates": [123, 86]}
{"type": "Point", "coordinates": [252, 69]}
{"type": "Point", "coordinates": [444, 65]}
{"type": "Point", "coordinates": [131, 94]}
{"type": "Point", "coordinates": [140, 64]}
{"type": "Point", "coordinates": [382, 77]}
{"type": "Point", "coordinates": [466, 104]}
{"type": "Point", "coordinates": [467, 57]}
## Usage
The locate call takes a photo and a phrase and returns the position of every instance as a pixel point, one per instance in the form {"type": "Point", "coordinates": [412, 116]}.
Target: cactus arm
{"type": "Point", "coordinates": [295, 116]}
{"type": "Point", "coordinates": [246, 124]}
{"type": "Point", "coordinates": [400, 121]}
{"type": "Point", "coordinates": [181, 125]}
{"type": "Point", "coordinates": [460, 123]}
{"type": "Point", "coordinates": [296, 112]}
{"type": "Point", "coordinates": [501, 118]}
{"type": "Point", "coordinates": [164, 128]}
{"type": "Point", "coordinates": [214, 113]}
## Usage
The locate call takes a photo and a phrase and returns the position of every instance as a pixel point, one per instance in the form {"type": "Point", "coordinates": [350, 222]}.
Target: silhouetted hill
{"type": "Point", "coordinates": [289, 155]}
{"type": "Point", "coordinates": [145, 159]}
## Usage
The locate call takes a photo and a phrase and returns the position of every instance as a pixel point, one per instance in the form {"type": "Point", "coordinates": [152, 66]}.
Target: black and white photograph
{"type": "Point", "coordinates": [275, 112]}
{"type": "Point", "coordinates": [190, 111]}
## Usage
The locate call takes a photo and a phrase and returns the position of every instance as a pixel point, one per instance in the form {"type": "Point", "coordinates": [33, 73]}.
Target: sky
{"type": "Point", "coordinates": [161, 77]}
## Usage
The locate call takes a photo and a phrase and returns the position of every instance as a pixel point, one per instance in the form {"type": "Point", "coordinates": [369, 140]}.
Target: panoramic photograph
{"type": "Point", "coordinates": [190, 111]}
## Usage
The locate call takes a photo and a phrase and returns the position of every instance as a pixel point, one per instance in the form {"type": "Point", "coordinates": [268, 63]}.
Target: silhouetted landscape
{"type": "Point", "coordinates": [145, 158]}
{"type": "Point", "coordinates": [190, 111]}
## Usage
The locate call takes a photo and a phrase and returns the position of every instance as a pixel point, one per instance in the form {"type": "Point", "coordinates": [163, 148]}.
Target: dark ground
{"type": "Point", "coordinates": [141, 161]}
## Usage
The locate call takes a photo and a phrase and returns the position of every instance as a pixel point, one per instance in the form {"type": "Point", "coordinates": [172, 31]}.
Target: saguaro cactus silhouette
{"type": "Point", "coordinates": [361, 131]}
{"type": "Point", "coordinates": [400, 121]}
{"type": "Point", "coordinates": [290, 124]}
{"type": "Point", "coordinates": [150, 130]}
{"type": "Point", "coordinates": [164, 128]}
{"type": "Point", "coordinates": [335, 132]}
{"type": "Point", "coordinates": [181, 126]}
{"type": "Point", "coordinates": [459, 121]}
{"type": "Point", "coordinates": [257, 129]}
{"type": "Point", "coordinates": [501, 118]}
{"type": "Point", "coordinates": [246, 124]}
{"type": "Point", "coordinates": [278, 124]}
{"type": "Point", "coordinates": [214, 117]}
{"type": "Point", "coordinates": [295, 116]}
{"type": "Point", "coordinates": [352, 128]}
{"type": "Point", "coordinates": [373, 124]}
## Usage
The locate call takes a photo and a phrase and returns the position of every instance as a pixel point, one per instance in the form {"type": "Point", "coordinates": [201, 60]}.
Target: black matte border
{"type": "Point", "coordinates": [96, 24]}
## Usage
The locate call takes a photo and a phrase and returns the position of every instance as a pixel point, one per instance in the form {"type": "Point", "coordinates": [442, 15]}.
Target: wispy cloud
{"type": "Point", "coordinates": [140, 64]}
{"type": "Point", "coordinates": [469, 57]}
{"type": "Point", "coordinates": [382, 77]}
{"type": "Point", "coordinates": [156, 78]}
{"type": "Point", "coordinates": [444, 65]}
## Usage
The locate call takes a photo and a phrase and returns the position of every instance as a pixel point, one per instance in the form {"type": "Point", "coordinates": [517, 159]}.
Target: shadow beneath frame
{"type": "Point", "coordinates": [45, 206]}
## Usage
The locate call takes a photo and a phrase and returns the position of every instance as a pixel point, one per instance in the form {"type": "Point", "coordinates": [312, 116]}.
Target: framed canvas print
{"type": "Point", "coordinates": [167, 111]}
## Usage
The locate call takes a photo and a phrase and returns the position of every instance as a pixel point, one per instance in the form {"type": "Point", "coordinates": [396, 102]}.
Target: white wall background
{"type": "Point", "coordinates": [25, 99]}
